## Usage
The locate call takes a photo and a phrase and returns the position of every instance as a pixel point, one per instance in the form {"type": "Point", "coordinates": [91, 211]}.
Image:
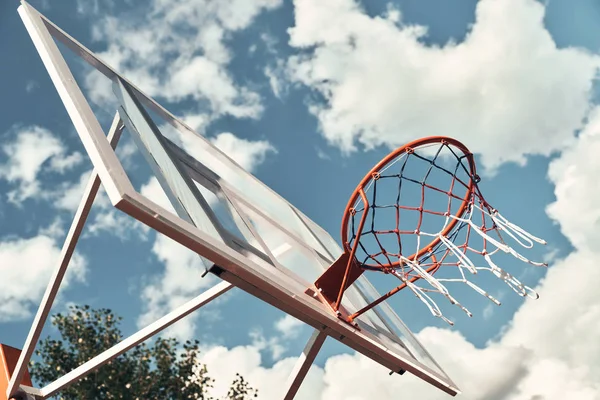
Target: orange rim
{"type": "Point", "coordinates": [384, 162]}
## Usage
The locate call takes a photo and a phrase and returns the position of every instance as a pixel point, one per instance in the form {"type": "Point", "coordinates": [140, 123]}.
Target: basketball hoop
{"type": "Point", "coordinates": [417, 241]}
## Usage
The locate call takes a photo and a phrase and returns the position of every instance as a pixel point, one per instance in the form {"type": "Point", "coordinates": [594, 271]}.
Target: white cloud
{"type": "Point", "coordinates": [153, 191]}
{"type": "Point", "coordinates": [181, 281]}
{"type": "Point", "coordinates": [572, 306]}
{"type": "Point", "coordinates": [93, 7]}
{"type": "Point", "coordinates": [506, 90]}
{"type": "Point", "coordinates": [488, 373]}
{"type": "Point", "coordinates": [223, 364]}
{"type": "Point", "coordinates": [126, 150]}
{"type": "Point", "coordinates": [26, 265]}
{"type": "Point", "coordinates": [118, 224]}
{"type": "Point", "coordinates": [287, 329]}
{"type": "Point", "coordinates": [30, 86]}
{"type": "Point", "coordinates": [248, 154]}
{"type": "Point", "coordinates": [273, 344]}
{"type": "Point", "coordinates": [179, 53]}
{"type": "Point", "coordinates": [278, 80]}
{"type": "Point", "coordinates": [270, 43]}
{"type": "Point", "coordinates": [201, 78]}
{"type": "Point", "coordinates": [70, 194]}
{"type": "Point", "coordinates": [26, 157]}
{"type": "Point", "coordinates": [197, 122]}
{"type": "Point", "coordinates": [275, 71]}
{"type": "Point", "coordinates": [55, 230]}
{"type": "Point", "coordinates": [576, 191]}
{"type": "Point", "coordinates": [62, 164]}
{"type": "Point", "coordinates": [289, 326]}
{"type": "Point", "coordinates": [322, 154]}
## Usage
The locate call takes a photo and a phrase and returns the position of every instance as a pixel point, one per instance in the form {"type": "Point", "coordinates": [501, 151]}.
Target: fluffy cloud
{"type": "Point", "coordinates": [276, 73]}
{"type": "Point", "coordinates": [248, 154]}
{"type": "Point", "coordinates": [71, 193]}
{"type": "Point", "coordinates": [507, 90]}
{"type": "Point", "coordinates": [103, 218]}
{"type": "Point", "coordinates": [179, 53]}
{"type": "Point", "coordinates": [181, 281]}
{"type": "Point", "coordinates": [118, 224]}
{"type": "Point", "coordinates": [32, 150]}
{"type": "Point", "coordinates": [572, 302]}
{"type": "Point", "coordinates": [573, 175]}
{"type": "Point", "coordinates": [289, 326]}
{"type": "Point", "coordinates": [26, 265]}
{"type": "Point", "coordinates": [247, 361]}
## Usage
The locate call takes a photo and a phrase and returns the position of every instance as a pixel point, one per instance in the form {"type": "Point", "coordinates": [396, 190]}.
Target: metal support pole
{"type": "Point", "coordinates": [304, 363]}
{"type": "Point", "coordinates": [68, 249]}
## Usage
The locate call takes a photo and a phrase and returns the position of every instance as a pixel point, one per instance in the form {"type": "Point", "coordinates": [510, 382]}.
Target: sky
{"type": "Point", "coordinates": [308, 95]}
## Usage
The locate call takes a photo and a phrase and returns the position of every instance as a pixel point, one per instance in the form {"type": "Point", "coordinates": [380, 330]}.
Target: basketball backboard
{"type": "Point", "coordinates": [251, 237]}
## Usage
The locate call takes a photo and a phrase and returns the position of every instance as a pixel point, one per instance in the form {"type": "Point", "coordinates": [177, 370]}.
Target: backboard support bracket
{"type": "Point", "coordinates": [329, 285]}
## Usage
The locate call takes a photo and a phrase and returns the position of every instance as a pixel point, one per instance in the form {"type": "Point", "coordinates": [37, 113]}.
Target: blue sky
{"type": "Point", "coordinates": [312, 96]}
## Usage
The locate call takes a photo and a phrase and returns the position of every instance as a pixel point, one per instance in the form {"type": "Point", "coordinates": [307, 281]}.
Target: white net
{"type": "Point", "coordinates": [425, 221]}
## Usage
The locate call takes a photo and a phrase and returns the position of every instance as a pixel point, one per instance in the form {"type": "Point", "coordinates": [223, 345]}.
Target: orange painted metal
{"type": "Point", "coordinates": [8, 360]}
{"type": "Point", "coordinates": [331, 281]}
{"type": "Point", "coordinates": [386, 160]}
{"type": "Point", "coordinates": [336, 278]}
{"type": "Point", "coordinates": [390, 293]}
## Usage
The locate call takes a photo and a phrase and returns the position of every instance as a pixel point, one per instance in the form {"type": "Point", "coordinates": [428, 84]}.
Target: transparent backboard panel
{"type": "Point", "coordinates": [228, 216]}
{"type": "Point", "coordinates": [327, 242]}
{"type": "Point", "coordinates": [288, 253]}
{"type": "Point", "coordinates": [270, 217]}
{"type": "Point", "coordinates": [283, 250]}
{"type": "Point", "coordinates": [238, 180]}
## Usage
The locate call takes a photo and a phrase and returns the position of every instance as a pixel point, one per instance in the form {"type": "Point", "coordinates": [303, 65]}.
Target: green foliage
{"type": "Point", "coordinates": [162, 370]}
{"type": "Point", "coordinates": [240, 389]}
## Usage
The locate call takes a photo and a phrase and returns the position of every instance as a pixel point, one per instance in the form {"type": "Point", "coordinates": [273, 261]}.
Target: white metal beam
{"type": "Point", "coordinates": [29, 393]}
{"type": "Point", "coordinates": [304, 363]}
{"type": "Point", "coordinates": [68, 249]}
{"type": "Point", "coordinates": [135, 339]}
{"type": "Point", "coordinates": [114, 179]}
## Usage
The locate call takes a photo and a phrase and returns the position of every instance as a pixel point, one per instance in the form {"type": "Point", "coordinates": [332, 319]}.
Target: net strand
{"type": "Point", "coordinates": [452, 250]}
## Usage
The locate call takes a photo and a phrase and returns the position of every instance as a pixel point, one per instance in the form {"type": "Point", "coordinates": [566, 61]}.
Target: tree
{"type": "Point", "coordinates": [162, 370]}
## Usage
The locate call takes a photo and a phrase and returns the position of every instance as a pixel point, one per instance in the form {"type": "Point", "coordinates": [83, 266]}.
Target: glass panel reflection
{"type": "Point", "coordinates": [288, 252]}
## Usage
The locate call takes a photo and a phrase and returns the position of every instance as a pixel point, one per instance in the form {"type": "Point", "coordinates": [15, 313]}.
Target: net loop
{"type": "Point", "coordinates": [522, 233]}
{"type": "Point", "coordinates": [473, 286]}
{"type": "Point", "coordinates": [462, 257]}
{"type": "Point", "coordinates": [510, 280]}
{"type": "Point", "coordinates": [397, 205]}
{"type": "Point", "coordinates": [421, 295]}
